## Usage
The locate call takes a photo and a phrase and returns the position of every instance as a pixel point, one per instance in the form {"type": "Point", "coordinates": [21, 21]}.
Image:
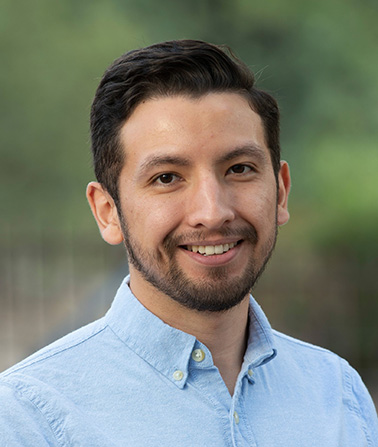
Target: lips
{"type": "Point", "coordinates": [210, 250]}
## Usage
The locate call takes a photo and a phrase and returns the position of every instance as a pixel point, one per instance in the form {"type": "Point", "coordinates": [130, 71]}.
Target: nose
{"type": "Point", "coordinates": [209, 204]}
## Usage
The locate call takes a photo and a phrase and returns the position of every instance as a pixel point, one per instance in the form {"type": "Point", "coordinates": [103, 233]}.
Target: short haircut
{"type": "Point", "coordinates": [183, 67]}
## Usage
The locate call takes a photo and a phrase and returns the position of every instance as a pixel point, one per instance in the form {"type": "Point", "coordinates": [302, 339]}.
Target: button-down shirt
{"type": "Point", "coordinates": [129, 379]}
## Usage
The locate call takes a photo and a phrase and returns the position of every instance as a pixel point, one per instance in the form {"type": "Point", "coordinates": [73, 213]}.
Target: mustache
{"type": "Point", "coordinates": [247, 233]}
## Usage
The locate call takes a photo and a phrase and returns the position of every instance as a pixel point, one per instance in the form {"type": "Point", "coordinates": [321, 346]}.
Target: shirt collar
{"type": "Point", "coordinates": [168, 349]}
{"type": "Point", "coordinates": [260, 347]}
{"type": "Point", "coordinates": [165, 348]}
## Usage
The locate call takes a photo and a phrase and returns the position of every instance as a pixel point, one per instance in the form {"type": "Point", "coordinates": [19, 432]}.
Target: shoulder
{"type": "Point", "coordinates": [333, 377]}
{"type": "Point", "coordinates": [53, 367]}
{"type": "Point", "coordinates": [21, 421]}
{"type": "Point", "coordinates": [313, 360]}
{"type": "Point", "coordinates": [304, 351]}
{"type": "Point", "coordinates": [61, 350]}
{"type": "Point", "coordinates": [37, 392]}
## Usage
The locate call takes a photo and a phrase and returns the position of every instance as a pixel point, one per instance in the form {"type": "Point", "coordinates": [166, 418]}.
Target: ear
{"type": "Point", "coordinates": [284, 185]}
{"type": "Point", "coordinates": [105, 213]}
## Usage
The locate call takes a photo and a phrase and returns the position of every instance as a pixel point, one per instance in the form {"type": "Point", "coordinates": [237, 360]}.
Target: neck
{"type": "Point", "coordinates": [226, 336]}
{"type": "Point", "coordinates": [224, 333]}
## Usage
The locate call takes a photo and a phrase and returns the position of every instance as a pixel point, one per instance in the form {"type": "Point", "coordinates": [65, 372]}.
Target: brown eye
{"type": "Point", "coordinates": [166, 179]}
{"type": "Point", "coordinates": [239, 169]}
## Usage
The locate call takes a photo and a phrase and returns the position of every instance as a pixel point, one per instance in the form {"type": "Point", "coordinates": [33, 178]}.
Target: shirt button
{"type": "Point", "coordinates": [250, 372]}
{"type": "Point", "coordinates": [178, 375]}
{"type": "Point", "coordinates": [236, 417]}
{"type": "Point", "coordinates": [198, 355]}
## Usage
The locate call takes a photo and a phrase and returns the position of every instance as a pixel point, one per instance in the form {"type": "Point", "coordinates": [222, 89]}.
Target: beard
{"type": "Point", "coordinates": [216, 292]}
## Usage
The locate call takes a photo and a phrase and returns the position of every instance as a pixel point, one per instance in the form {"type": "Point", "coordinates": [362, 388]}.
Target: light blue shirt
{"type": "Point", "coordinates": [128, 379]}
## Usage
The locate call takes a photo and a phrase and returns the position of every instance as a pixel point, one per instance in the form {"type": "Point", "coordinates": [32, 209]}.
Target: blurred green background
{"type": "Point", "coordinates": [319, 59]}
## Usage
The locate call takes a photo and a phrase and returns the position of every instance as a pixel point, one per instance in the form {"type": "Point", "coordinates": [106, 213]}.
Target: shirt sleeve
{"type": "Point", "coordinates": [363, 405]}
{"type": "Point", "coordinates": [21, 422]}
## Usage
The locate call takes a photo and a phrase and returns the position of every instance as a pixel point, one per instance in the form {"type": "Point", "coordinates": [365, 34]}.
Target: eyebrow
{"type": "Point", "coordinates": [242, 151]}
{"type": "Point", "coordinates": [162, 160]}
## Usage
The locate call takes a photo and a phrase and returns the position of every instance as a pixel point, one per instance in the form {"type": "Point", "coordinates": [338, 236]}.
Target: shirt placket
{"type": "Point", "coordinates": [240, 431]}
{"type": "Point", "coordinates": [206, 377]}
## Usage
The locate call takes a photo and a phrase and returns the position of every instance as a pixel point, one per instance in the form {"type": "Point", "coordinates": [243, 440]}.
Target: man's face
{"type": "Point", "coordinates": [198, 199]}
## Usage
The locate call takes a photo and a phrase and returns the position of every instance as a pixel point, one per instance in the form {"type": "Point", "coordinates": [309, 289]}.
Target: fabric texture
{"type": "Point", "coordinates": [129, 379]}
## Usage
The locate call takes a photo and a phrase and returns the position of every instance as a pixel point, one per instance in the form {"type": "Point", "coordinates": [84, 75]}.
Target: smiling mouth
{"type": "Point", "coordinates": [210, 250]}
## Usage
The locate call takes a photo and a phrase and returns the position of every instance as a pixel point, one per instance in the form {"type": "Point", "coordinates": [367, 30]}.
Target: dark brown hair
{"type": "Point", "coordinates": [183, 67]}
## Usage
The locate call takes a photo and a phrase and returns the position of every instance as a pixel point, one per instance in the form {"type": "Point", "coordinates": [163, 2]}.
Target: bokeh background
{"type": "Point", "coordinates": [319, 59]}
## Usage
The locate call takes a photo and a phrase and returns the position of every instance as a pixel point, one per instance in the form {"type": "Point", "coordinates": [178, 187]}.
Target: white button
{"type": "Point", "coordinates": [178, 375]}
{"type": "Point", "coordinates": [198, 355]}
{"type": "Point", "coordinates": [236, 417]}
{"type": "Point", "coordinates": [250, 372]}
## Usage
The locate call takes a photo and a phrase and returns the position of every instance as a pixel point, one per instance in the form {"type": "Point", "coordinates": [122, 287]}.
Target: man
{"type": "Point", "coordinates": [187, 158]}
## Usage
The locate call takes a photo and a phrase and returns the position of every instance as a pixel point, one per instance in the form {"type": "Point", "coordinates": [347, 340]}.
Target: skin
{"type": "Point", "coordinates": [197, 172]}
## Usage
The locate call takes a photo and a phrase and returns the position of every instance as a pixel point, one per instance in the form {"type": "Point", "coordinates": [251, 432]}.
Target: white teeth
{"type": "Point", "coordinates": [218, 249]}
{"type": "Point", "coordinates": [208, 250]}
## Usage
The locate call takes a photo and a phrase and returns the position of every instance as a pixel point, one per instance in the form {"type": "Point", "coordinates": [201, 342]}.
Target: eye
{"type": "Point", "coordinates": [166, 179]}
{"type": "Point", "coordinates": [239, 169]}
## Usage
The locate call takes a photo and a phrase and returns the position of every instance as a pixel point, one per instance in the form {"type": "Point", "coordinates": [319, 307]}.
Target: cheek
{"type": "Point", "coordinates": [153, 219]}
{"type": "Point", "coordinates": [259, 208]}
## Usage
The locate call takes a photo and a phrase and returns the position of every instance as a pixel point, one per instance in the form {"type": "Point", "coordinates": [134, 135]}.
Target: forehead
{"type": "Point", "coordinates": [203, 126]}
